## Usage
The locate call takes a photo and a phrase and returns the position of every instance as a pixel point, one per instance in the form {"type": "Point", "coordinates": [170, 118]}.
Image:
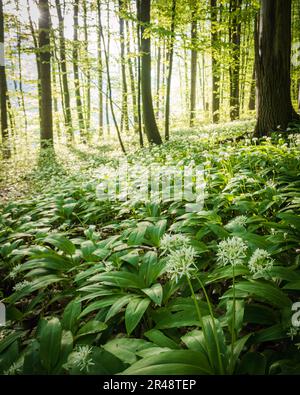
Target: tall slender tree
{"type": "Point", "coordinates": [3, 89]}
{"type": "Point", "coordinates": [234, 67]}
{"type": "Point", "coordinates": [45, 75]}
{"type": "Point", "coordinates": [124, 115]}
{"type": "Point", "coordinates": [215, 63]}
{"type": "Point", "coordinates": [273, 64]}
{"type": "Point", "coordinates": [63, 65]}
{"type": "Point", "coordinates": [194, 54]}
{"type": "Point", "coordinates": [76, 73]}
{"type": "Point", "coordinates": [100, 69]}
{"type": "Point", "coordinates": [153, 136]}
{"type": "Point", "coordinates": [170, 68]}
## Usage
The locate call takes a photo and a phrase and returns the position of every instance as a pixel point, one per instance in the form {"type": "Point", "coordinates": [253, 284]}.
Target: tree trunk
{"type": "Point", "coordinates": [87, 69]}
{"type": "Point", "coordinates": [234, 67]}
{"type": "Point", "coordinates": [76, 74]}
{"type": "Point", "coordinates": [100, 70]}
{"type": "Point", "coordinates": [124, 115]}
{"type": "Point", "coordinates": [193, 68]}
{"type": "Point", "coordinates": [63, 65]}
{"type": "Point", "coordinates": [170, 63]}
{"type": "Point", "coordinates": [132, 78]}
{"type": "Point", "coordinates": [148, 112]}
{"type": "Point", "coordinates": [139, 78]}
{"type": "Point", "coordinates": [273, 63]}
{"type": "Point", "coordinates": [215, 63]}
{"type": "Point", "coordinates": [251, 105]}
{"type": "Point", "coordinates": [3, 90]}
{"type": "Point", "coordinates": [45, 75]}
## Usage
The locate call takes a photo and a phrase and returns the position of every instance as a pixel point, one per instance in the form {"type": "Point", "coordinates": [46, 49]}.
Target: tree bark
{"type": "Point", "coordinates": [193, 68]}
{"type": "Point", "coordinates": [273, 63]}
{"type": "Point", "coordinates": [170, 64]}
{"type": "Point", "coordinates": [76, 73]}
{"type": "Point", "coordinates": [3, 90]}
{"type": "Point", "coordinates": [151, 128]}
{"type": "Point", "coordinates": [87, 71]}
{"type": "Point", "coordinates": [100, 70]}
{"type": "Point", "coordinates": [215, 63]}
{"type": "Point", "coordinates": [234, 68]}
{"type": "Point", "coordinates": [124, 115]}
{"type": "Point", "coordinates": [45, 75]}
{"type": "Point", "coordinates": [63, 65]}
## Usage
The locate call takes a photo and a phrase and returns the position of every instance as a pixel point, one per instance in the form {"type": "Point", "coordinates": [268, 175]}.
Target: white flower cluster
{"type": "Point", "coordinates": [21, 285]}
{"type": "Point", "coordinates": [80, 359]}
{"type": "Point", "coordinates": [239, 221]}
{"type": "Point", "coordinates": [181, 263]}
{"type": "Point", "coordinates": [231, 251]}
{"type": "Point", "coordinates": [260, 263]}
{"type": "Point", "coordinates": [15, 271]}
{"type": "Point", "coordinates": [169, 242]}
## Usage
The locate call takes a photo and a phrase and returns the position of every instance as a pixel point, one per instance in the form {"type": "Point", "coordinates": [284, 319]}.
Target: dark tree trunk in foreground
{"type": "Point", "coordinates": [171, 51]}
{"type": "Point", "coordinates": [215, 63]}
{"type": "Point", "coordinates": [45, 75]}
{"type": "Point", "coordinates": [234, 69]}
{"type": "Point", "coordinates": [3, 90]}
{"type": "Point", "coordinates": [273, 63]}
{"type": "Point", "coordinates": [148, 112]}
{"type": "Point", "coordinates": [63, 65]}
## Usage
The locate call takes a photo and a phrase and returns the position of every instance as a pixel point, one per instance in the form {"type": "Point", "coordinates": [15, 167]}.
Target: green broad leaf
{"type": "Point", "coordinates": [237, 350]}
{"type": "Point", "coordinates": [71, 315]}
{"type": "Point", "coordinates": [226, 272]}
{"type": "Point", "coordinates": [159, 338]}
{"type": "Point", "coordinates": [265, 291]}
{"type": "Point", "coordinates": [195, 341]}
{"type": "Point", "coordinates": [9, 339]}
{"type": "Point", "coordinates": [87, 248]}
{"type": "Point", "coordinates": [65, 350]}
{"type": "Point", "coordinates": [91, 327]}
{"type": "Point", "coordinates": [150, 268]}
{"type": "Point", "coordinates": [126, 349]}
{"type": "Point", "coordinates": [155, 232]}
{"type": "Point", "coordinates": [99, 304]}
{"type": "Point", "coordinates": [134, 313]}
{"type": "Point", "coordinates": [50, 343]}
{"type": "Point", "coordinates": [293, 285]}
{"type": "Point", "coordinates": [62, 243]}
{"type": "Point", "coordinates": [119, 279]}
{"type": "Point", "coordinates": [118, 306]}
{"type": "Point", "coordinates": [136, 236]}
{"type": "Point", "coordinates": [238, 309]}
{"type": "Point", "coordinates": [155, 293]}
{"type": "Point", "coordinates": [183, 362]}
{"type": "Point", "coordinates": [273, 333]}
{"type": "Point", "coordinates": [291, 219]}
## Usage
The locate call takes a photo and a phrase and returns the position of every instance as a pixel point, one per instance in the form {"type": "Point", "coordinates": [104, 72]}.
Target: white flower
{"type": "Point", "coordinates": [260, 262]}
{"type": "Point", "coordinates": [292, 332]}
{"type": "Point", "coordinates": [21, 285]}
{"type": "Point", "coordinates": [231, 251]}
{"type": "Point", "coordinates": [14, 369]}
{"type": "Point", "coordinates": [172, 242]}
{"type": "Point", "coordinates": [15, 271]}
{"type": "Point", "coordinates": [80, 359]}
{"type": "Point", "coordinates": [239, 221]}
{"type": "Point", "coordinates": [181, 263]}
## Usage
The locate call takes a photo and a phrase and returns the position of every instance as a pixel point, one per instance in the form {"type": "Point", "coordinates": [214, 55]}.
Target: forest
{"type": "Point", "coordinates": [150, 187]}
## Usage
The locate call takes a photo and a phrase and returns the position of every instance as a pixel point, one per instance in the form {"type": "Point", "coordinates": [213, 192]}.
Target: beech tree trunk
{"type": "Point", "coordinates": [193, 69]}
{"type": "Point", "coordinates": [215, 63]}
{"type": "Point", "coordinates": [273, 63]}
{"type": "Point", "coordinates": [45, 75]}
{"type": "Point", "coordinates": [63, 65]}
{"type": "Point", "coordinates": [3, 90]}
{"type": "Point", "coordinates": [151, 128]}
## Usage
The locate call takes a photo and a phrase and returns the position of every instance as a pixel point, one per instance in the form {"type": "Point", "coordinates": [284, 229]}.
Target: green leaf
{"type": "Point", "coordinates": [159, 338]}
{"type": "Point", "coordinates": [91, 327]}
{"type": "Point", "coordinates": [155, 293]}
{"type": "Point", "coordinates": [119, 279]}
{"type": "Point", "coordinates": [62, 243]}
{"type": "Point", "coordinates": [117, 306]}
{"type": "Point", "coordinates": [134, 313]}
{"type": "Point", "coordinates": [183, 362]}
{"type": "Point", "coordinates": [50, 343]}
{"type": "Point", "coordinates": [71, 315]}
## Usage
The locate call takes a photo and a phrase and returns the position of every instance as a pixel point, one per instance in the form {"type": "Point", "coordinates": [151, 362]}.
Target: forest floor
{"type": "Point", "coordinates": [105, 271]}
